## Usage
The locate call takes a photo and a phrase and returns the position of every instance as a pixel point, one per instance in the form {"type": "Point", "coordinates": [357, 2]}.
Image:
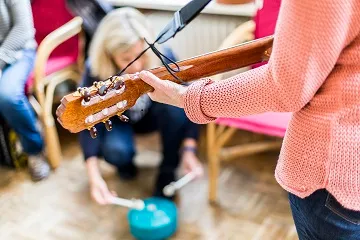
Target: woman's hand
{"type": "Point", "coordinates": [165, 91]}
{"type": "Point", "coordinates": [191, 163]}
{"type": "Point", "coordinates": [100, 192]}
{"type": "Point", "coordinates": [98, 188]}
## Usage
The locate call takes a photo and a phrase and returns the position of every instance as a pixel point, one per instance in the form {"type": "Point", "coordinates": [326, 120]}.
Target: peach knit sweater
{"type": "Point", "coordinates": [314, 72]}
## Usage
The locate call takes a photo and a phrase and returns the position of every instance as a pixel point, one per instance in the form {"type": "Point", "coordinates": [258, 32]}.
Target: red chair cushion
{"type": "Point", "coordinates": [48, 16]}
{"type": "Point", "coordinates": [272, 124]}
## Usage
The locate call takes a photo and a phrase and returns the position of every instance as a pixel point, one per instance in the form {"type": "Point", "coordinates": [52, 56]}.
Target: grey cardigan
{"type": "Point", "coordinates": [16, 30]}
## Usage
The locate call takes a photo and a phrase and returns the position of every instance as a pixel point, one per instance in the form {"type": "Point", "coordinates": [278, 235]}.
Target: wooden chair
{"type": "Point", "coordinates": [271, 124]}
{"type": "Point", "coordinates": [59, 58]}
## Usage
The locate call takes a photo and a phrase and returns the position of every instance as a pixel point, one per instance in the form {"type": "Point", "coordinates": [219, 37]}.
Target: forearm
{"type": "Point", "coordinates": [92, 168]}
{"type": "Point", "coordinates": [244, 94]}
{"type": "Point", "coordinates": [248, 93]}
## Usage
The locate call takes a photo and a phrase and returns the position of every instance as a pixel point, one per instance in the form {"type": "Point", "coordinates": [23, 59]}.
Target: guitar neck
{"type": "Point", "coordinates": [85, 108]}
{"type": "Point", "coordinates": [217, 62]}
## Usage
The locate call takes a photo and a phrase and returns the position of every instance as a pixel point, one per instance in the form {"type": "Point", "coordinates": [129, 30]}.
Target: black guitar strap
{"type": "Point", "coordinates": [181, 18]}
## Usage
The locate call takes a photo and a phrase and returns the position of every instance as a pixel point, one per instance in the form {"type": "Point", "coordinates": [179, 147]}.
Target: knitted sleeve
{"type": "Point", "coordinates": [309, 37]}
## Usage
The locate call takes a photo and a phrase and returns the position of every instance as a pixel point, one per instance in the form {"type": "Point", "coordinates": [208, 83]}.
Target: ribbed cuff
{"type": "Point", "coordinates": [192, 102]}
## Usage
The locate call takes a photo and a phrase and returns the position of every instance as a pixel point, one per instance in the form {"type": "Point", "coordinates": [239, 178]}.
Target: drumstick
{"type": "Point", "coordinates": [170, 189]}
{"type": "Point", "coordinates": [129, 203]}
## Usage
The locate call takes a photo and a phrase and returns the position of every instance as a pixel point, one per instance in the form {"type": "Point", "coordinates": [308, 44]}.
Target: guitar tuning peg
{"type": "Point", "coordinates": [93, 132]}
{"type": "Point", "coordinates": [119, 84]}
{"type": "Point", "coordinates": [123, 118]}
{"type": "Point", "coordinates": [102, 90]}
{"type": "Point", "coordinates": [108, 125]}
{"type": "Point", "coordinates": [84, 93]}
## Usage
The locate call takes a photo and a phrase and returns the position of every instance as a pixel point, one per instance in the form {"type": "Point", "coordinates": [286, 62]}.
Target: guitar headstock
{"type": "Point", "coordinates": [92, 105]}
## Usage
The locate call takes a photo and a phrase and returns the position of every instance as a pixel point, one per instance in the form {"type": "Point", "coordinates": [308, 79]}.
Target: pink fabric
{"type": "Point", "coordinates": [265, 20]}
{"type": "Point", "coordinates": [272, 124]}
{"type": "Point", "coordinates": [314, 72]}
{"type": "Point", "coordinates": [266, 17]}
{"type": "Point", "coordinates": [48, 16]}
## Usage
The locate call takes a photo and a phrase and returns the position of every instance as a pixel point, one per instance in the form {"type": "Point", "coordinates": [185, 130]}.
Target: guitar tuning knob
{"type": "Point", "coordinates": [108, 125]}
{"type": "Point", "coordinates": [102, 90]}
{"type": "Point", "coordinates": [123, 118]}
{"type": "Point", "coordinates": [119, 84]}
{"type": "Point", "coordinates": [84, 93]}
{"type": "Point", "coordinates": [93, 132]}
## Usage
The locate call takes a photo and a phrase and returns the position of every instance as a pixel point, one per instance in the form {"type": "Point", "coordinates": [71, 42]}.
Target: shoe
{"type": "Point", "coordinates": [38, 167]}
{"type": "Point", "coordinates": [128, 171]}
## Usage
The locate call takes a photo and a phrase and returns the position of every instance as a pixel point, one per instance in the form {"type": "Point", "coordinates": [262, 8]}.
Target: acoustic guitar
{"type": "Point", "coordinates": [89, 106]}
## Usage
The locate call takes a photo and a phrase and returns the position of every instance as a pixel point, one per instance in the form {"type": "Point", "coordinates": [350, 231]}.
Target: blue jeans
{"type": "Point", "coordinates": [321, 217]}
{"type": "Point", "coordinates": [14, 105]}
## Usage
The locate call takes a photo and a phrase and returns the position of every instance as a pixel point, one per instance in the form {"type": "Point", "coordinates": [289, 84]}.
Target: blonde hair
{"type": "Point", "coordinates": [117, 31]}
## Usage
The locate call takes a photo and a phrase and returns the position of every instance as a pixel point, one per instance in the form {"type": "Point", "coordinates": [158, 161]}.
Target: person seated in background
{"type": "Point", "coordinates": [117, 41]}
{"type": "Point", "coordinates": [17, 54]}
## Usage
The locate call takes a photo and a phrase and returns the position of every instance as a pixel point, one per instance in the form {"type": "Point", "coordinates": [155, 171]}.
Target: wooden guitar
{"type": "Point", "coordinates": [88, 106]}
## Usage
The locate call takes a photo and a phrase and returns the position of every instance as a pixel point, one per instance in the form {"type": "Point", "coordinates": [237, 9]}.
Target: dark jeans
{"type": "Point", "coordinates": [14, 105]}
{"type": "Point", "coordinates": [320, 216]}
{"type": "Point", "coordinates": [118, 147]}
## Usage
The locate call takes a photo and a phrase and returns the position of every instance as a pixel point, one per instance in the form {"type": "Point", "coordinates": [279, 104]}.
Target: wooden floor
{"type": "Point", "coordinates": [251, 204]}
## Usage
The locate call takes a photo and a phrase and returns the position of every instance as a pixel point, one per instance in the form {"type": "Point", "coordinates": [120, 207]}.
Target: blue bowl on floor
{"type": "Point", "coordinates": [157, 221]}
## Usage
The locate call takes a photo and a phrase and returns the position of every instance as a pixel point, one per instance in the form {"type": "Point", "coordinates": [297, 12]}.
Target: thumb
{"type": "Point", "coordinates": [152, 80]}
{"type": "Point", "coordinates": [107, 196]}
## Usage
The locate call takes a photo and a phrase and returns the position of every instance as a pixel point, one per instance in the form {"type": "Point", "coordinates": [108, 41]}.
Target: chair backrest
{"type": "Point", "coordinates": [50, 15]}
{"type": "Point", "coordinates": [266, 17]}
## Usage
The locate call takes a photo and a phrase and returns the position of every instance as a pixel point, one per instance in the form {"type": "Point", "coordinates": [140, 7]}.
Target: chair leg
{"type": "Point", "coordinates": [51, 139]}
{"type": "Point", "coordinates": [214, 166]}
{"type": "Point", "coordinates": [52, 143]}
{"type": "Point", "coordinates": [213, 162]}
{"type": "Point", "coordinates": [50, 132]}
